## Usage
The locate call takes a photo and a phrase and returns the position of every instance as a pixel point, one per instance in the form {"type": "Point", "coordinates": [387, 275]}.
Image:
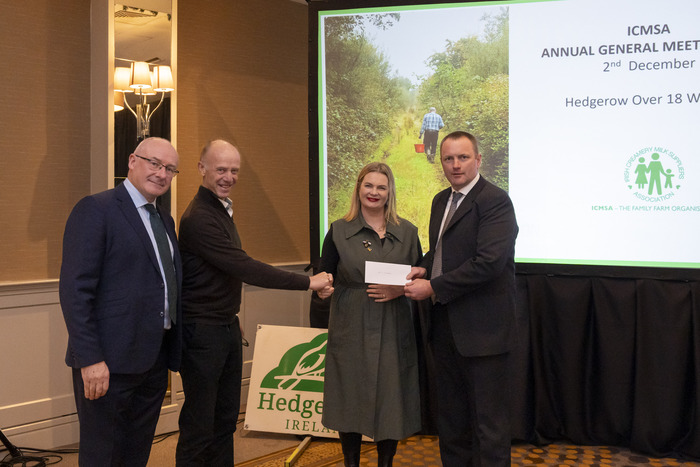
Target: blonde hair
{"type": "Point", "coordinates": [390, 207]}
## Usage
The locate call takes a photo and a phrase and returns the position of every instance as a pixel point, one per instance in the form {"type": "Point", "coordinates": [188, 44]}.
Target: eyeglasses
{"type": "Point", "coordinates": [155, 166]}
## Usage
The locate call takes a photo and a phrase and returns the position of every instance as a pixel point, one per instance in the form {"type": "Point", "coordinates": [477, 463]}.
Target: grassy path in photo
{"type": "Point", "coordinates": [417, 180]}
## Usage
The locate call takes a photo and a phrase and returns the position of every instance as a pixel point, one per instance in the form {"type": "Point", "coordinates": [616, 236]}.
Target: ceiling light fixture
{"type": "Point", "coordinates": [140, 81]}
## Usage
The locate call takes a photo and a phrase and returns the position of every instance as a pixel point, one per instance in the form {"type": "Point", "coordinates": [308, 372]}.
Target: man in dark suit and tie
{"type": "Point", "coordinates": [469, 274]}
{"type": "Point", "coordinates": [119, 289]}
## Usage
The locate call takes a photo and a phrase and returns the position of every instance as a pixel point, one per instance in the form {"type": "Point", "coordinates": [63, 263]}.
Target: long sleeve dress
{"type": "Point", "coordinates": [371, 379]}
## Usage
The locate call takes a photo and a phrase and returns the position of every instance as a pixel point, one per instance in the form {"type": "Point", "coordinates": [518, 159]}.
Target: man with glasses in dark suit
{"type": "Point", "coordinates": [119, 290]}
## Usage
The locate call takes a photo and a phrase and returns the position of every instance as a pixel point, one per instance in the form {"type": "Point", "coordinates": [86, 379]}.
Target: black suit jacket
{"type": "Point", "coordinates": [111, 289]}
{"type": "Point", "coordinates": [477, 287]}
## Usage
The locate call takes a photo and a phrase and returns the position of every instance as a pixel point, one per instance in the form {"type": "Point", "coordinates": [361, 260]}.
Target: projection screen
{"type": "Point", "coordinates": [585, 111]}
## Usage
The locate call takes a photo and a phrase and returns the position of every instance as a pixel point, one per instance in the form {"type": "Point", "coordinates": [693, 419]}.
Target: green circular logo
{"type": "Point", "coordinates": [654, 174]}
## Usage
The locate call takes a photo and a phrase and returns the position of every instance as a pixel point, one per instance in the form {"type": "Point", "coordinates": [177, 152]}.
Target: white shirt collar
{"type": "Point", "coordinates": [228, 204]}
{"type": "Point", "coordinates": [467, 188]}
{"type": "Point", "coordinates": [136, 196]}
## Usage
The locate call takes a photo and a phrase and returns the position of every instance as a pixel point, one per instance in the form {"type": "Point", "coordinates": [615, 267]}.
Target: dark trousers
{"type": "Point", "coordinates": [117, 429]}
{"type": "Point", "coordinates": [430, 141]}
{"type": "Point", "coordinates": [472, 402]}
{"type": "Point", "coordinates": [211, 371]}
{"type": "Point", "coordinates": [319, 311]}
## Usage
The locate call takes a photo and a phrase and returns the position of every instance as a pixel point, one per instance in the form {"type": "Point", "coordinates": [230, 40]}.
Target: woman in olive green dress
{"type": "Point", "coordinates": [371, 381]}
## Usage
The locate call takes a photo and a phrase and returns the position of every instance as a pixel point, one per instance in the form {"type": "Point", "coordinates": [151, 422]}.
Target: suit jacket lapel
{"type": "Point", "coordinates": [126, 205]}
{"type": "Point", "coordinates": [437, 215]}
{"type": "Point", "coordinates": [468, 203]}
{"type": "Point", "coordinates": [170, 230]}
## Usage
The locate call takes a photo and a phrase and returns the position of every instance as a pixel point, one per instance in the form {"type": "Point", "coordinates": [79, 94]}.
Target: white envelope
{"type": "Point", "coordinates": [386, 273]}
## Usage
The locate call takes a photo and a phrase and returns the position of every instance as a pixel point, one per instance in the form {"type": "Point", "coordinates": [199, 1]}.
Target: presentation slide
{"type": "Point", "coordinates": [587, 113]}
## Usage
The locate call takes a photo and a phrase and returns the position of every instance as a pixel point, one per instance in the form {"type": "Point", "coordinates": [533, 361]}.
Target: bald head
{"type": "Point", "coordinates": [155, 144]}
{"type": "Point", "coordinates": [217, 146]}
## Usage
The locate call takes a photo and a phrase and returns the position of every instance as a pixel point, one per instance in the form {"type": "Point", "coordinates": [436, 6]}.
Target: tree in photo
{"type": "Point", "coordinates": [470, 85]}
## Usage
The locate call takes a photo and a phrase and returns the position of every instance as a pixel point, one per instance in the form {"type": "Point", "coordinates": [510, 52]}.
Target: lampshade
{"type": "Point", "coordinates": [122, 75]}
{"type": "Point", "coordinates": [142, 83]}
{"type": "Point", "coordinates": [163, 79]}
{"type": "Point", "coordinates": [147, 91]}
{"type": "Point", "coordinates": [140, 76]}
{"type": "Point", "coordinates": [118, 101]}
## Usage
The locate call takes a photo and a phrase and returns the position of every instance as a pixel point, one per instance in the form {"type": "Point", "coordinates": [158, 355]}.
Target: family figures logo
{"type": "Point", "coordinates": [654, 174]}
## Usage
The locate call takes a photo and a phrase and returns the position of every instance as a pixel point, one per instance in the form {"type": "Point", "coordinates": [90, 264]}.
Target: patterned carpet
{"type": "Point", "coordinates": [423, 451]}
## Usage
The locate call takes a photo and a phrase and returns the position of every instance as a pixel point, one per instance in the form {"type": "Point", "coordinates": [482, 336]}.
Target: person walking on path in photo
{"type": "Point", "coordinates": [432, 123]}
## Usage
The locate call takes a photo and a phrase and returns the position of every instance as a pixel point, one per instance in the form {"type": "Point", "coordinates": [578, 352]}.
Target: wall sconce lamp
{"type": "Point", "coordinates": [142, 82]}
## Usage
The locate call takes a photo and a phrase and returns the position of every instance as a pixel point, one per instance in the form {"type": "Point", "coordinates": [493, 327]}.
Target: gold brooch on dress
{"type": "Point", "coordinates": [367, 244]}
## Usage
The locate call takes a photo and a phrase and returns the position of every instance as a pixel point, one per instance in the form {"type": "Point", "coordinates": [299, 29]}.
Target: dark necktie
{"type": "Point", "coordinates": [165, 258]}
{"type": "Point", "coordinates": [437, 259]}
